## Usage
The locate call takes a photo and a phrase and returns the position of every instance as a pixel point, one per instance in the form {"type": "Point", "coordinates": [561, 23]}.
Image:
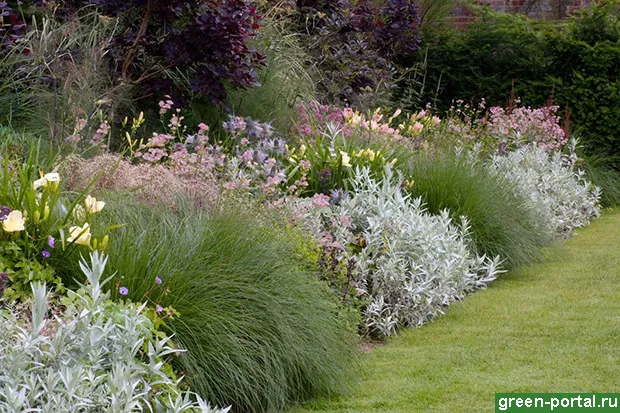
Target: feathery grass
{"type": "Point", "coordinates": [500, 221]}
{"type": "Point", "coordinates": [261, 331]}
{"type": "Point", "coordinates": [285, 80]}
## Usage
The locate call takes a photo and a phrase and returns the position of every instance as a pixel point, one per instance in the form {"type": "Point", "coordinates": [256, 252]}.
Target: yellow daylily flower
{"type": "Point", "coordinates": [47, 179]}
{"type": "Point", "coordinates": [92, 205]}
{"type": "Point", "coordinates": [14, 222]}
{"type": "Point", "coordinates": [80, 235]}
{"type": "Point", "coordinates": [346, 159]}
{"type": "Point", "coordinates": [371, 154]}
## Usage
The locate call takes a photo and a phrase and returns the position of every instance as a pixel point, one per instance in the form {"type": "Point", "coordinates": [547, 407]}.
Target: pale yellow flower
{"type": "Point", "coordinates": [14, 222]}
{"type": "Point", "coordinates": [47, 179]}
{"type": "Point", "coordinates": [80, 235]}
{"type": "Point", "coordinates": [371, 154]}
{"type": "Point", "coordinates": [92, 205]}
{"type": "Point", "coordinates": [346, 159]}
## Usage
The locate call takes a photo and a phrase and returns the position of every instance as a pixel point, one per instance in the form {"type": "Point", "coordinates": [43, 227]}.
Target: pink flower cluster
{"type": "Point", "coordinates": [102, 132]}
{"type": "Point", "coordinates": [527, 125]}
{"type": "Point", "coordinates": [165, 106]}
{"type": "Point", "coordinates": [313, 117]}
{"type": "Point", "coordinates": [189, 155]}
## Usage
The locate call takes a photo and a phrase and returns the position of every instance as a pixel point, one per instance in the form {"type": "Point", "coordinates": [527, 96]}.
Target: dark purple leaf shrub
{"type": "Point", "coordinates": [204, 42]}
{"type": "Point", "coordinates": [12, 27]}
{"type": "Point", "coordinates": [358, 44]}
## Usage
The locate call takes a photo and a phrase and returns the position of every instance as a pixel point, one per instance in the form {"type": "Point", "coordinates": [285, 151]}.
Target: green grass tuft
{"type": "Point", "coordinates": [261, 331]}
{"type": "Point", "coordinates": [601, 171]}
{"type": "Point", "coordinates": [500, 222]}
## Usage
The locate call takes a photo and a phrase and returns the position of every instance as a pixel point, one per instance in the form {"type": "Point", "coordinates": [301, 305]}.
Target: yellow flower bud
{"type": "Point", "coordinates": [104, 243]}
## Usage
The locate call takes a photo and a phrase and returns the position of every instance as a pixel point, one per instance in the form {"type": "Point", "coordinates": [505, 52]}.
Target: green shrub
{"type": "Point", "coordinates": [261, 331]}
{"type": "Point", "coordinates": [484, 61]}
{"type": "Point", "coordinates": [501, 223]}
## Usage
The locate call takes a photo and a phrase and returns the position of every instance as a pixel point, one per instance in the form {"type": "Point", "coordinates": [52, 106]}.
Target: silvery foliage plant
{"type": "Point", "coordinates": [99, 356]}
{"type": "Point", "coordinates": [555, 189]}
{"type": "Point", "coordinates": [413, 263]}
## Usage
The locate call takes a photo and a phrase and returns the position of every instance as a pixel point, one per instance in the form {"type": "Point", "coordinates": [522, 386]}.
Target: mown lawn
{"type": "Point", "coordinates": [550, 327]}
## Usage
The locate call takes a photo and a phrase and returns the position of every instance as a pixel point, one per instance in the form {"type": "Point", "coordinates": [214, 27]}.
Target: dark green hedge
{"type": "Point", "coordinates": [575, 63]}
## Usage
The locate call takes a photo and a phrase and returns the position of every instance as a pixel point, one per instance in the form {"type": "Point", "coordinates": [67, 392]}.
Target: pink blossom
{"type": "Point", "coordinates": [154, 155]}
{"type": "Point", "coordinates": [165, 106]}
{"type": "Point", "coordinates": [73, 139]}
{"type": "Point", "coordinates": [320, 201]}
{"type": "Point", "coordinates": [346, 221]}
{"type": "Point", "coordinates": [247, 156]}
{"type": "Point", "coordinates": [203, 128]}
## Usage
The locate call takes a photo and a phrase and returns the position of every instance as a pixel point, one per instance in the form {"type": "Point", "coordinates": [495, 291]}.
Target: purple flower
{"type": "Point", "coordinates": [159, 309]}
{"type": "Point", "coordinates": [158, 280]}
{"type": "Point", "coordinates": [51, 242]}
{"type": "Point", "coordinates": [45, 254]}
{"type": "Point", "coordinates": [4, 212]}
{"type": "Point", "coordinates": [123, 290]}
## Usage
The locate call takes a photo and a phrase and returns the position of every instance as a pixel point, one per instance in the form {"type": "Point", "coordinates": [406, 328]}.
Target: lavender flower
{"type": "Point", "coordinates": [254, 128]}
{"type": "Point", "coordinates": [159, 309]}
{"type": "Point", "coordinates": [261, 157]}
{"type": "Point", "coordinates": [337, 196]}
{"type": "Point", "coordinates": [158, 280]}
{"type": "Point", "coordinates": [234, 124]}
{"type": "Point", "coordinates": [51, 241]}
{"type": "Point", "coordinates": [46, 254]}
{"type": "Point", "coordinates": [123, 290]}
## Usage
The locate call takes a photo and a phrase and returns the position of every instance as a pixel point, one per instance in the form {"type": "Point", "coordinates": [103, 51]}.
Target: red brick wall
{"type": "Point", "coordinates": [540, 9]}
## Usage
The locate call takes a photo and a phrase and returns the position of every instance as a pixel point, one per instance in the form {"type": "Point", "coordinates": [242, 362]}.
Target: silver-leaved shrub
{"type": "Point", "coordinates": [557, 191]}
{"type": "Point", "coordinates": [413, 263]}
{"type": "Point", "coordinates": [99, 356]}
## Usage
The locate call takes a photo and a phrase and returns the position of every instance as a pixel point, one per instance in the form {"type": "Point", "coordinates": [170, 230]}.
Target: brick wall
{"type": "Point", "coordinates": [540, 9]}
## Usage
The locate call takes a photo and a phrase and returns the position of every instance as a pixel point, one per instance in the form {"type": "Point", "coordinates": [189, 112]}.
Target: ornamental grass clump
{"type": "Point", "coordinates": [501, 222]}
{"type": "Point", "coordinates": [261, 331]}
{"type": "Point", "coordinates": [98, 355]}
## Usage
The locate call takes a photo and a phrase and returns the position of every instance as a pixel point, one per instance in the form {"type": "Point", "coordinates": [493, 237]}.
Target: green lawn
{"type": "Point", "coordinates": [551, 327]}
